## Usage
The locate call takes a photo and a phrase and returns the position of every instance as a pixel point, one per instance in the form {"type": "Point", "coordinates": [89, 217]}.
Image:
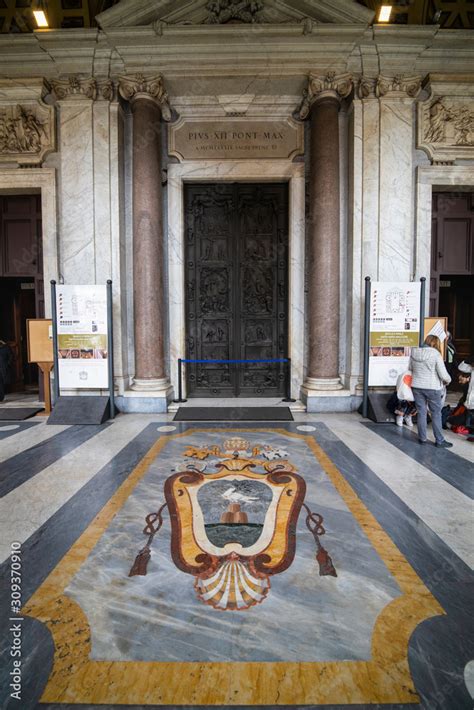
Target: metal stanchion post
{"type": "Point", "coordinates": [110, 349]}
{"type": "Point", "coordinates": [288, 397]}
{"type": "Point", "coordinates": [422, 310]}
{"type": "Point", "coordinates": [365, 400]}
{"type": "Point", "coordinates": [180, 383]}
{"type": "Point", "coordinates": [55, 340]}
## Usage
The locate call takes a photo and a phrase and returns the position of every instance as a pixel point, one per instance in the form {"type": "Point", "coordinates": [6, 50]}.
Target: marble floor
{"type": "Point", "coordinates": [321, 563]}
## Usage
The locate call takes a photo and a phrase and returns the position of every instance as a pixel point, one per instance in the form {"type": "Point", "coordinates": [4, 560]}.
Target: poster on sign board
{"type": "Point", "coordinates": [394, 329]}
{"type": "Point", "coordinates": [82, 336]}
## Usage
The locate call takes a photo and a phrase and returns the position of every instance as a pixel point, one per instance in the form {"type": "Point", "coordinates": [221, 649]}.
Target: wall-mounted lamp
{"type": "Point", "coordinates": [384, 13]}
{"type": "Point", "coordinates": [39, 11]}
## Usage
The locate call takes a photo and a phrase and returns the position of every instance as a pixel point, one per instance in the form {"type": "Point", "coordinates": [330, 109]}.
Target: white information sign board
{"type": "Point", "coordinates": [394, 329]}
{"type": "Point", "coordinates": [82, 336]}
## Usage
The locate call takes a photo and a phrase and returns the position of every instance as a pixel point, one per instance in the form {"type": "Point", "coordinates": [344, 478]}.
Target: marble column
{"type": "Point", "coordinates": [148, 102]}
{"type": "Point", "coordinates": [321, 103]}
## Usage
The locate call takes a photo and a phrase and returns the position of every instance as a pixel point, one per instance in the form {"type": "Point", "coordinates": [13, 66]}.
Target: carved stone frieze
{"type": "Point", "coordinates": [75, 87]}
{"type": "Point", "coordinates": [399, 86]}
{"type": "Point", "coordinates": [222, 11]}
{"type": "Point", "coordinates": [331, 84]}
{"type": "Point", "coordinates": [133, 86]}
{"type": "Point", "coordinates": [446, 120]}
{"type": "Point", "coordinates": [26, 132]}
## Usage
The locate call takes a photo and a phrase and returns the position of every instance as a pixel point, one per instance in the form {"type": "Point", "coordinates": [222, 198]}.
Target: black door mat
{"type": "Point", "coordinates": [10, 414]}
{"type": "Point", "coordinates": [233, 414]}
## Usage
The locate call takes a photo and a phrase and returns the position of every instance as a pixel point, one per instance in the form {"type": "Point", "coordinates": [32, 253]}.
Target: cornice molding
{"type": "Point", "coordinates": [332, 85]}
{"type": "Point", "coordinates": [138, 85]}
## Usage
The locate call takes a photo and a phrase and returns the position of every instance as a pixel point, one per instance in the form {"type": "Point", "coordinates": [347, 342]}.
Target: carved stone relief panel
{"type": "Point", "coordinates": [446, 119]}
{"type": "Point", "coordinates": [26, 124]}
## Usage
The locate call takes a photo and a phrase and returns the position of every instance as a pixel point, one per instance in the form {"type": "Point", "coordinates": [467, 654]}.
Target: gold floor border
{"type": "Point", "coordinates": [384, 679]}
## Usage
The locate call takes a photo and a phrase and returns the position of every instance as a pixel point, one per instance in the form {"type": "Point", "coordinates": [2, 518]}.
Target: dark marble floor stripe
{"type": "Point", "coordinates": [25, 465]}
{"type": "Point", "coordinates": [20, 426]}
{"type": "Point", "coordinates": [42, 552]}
{"type": "Point", "coordinates": [440, 647]}
{"type": "Point", "coordinates": [452, 468]}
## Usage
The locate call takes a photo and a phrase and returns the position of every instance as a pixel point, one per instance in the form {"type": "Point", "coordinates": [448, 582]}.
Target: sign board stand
{"type": "Point", "coordinates": [373, 405]}
{"type": "Point", "coordinates": [46, 368]}
{"type": "Point", "coordinates": [90, 409]}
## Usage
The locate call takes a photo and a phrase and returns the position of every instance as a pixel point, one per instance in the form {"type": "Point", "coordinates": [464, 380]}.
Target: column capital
{"type": "Point", "coordinates": [75, 87]}
{"type": "Point", "coordinates": [329, 85]}
{"type": "Point", "coordinates": [149, 87]}
{"type": "Point", "coordinates": [399, 86]}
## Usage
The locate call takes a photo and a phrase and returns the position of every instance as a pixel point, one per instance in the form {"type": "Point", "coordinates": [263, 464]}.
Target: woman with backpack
{"type": "Point", "coordinates": [428, 385]}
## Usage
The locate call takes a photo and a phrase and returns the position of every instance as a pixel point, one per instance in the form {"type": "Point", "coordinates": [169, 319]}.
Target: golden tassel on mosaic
{"type": "Point", "coordinates": [140, 564]}
{"type": "Point", "coordinates": [314, 524]}
{"type": "Point", "coordinates": [233, 587]}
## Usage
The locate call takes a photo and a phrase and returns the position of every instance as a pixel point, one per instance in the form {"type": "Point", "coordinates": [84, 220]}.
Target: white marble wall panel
{"type": "Point", "coordinates": [76, 203]}
{"type": "Point", "coordinates": [102, 190]}
{"type": "Point", "coordinates": [355, 281]}
{"type": "Point", "coordinates": [370, 136]}
{"type": "Point", "coordinates": [396, 190]}
{"type": "Point", "coordinates": [343, 231]}
{"type": "Point", "coordinates": [120, 282]}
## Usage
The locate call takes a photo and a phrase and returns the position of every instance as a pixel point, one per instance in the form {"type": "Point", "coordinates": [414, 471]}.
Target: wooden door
{"type": "Point", "coordinates": [452, 259]}
{"type": "Point", "coordinates": [236, 287]}
{"type": "Point", "coordinates": [21, 279]}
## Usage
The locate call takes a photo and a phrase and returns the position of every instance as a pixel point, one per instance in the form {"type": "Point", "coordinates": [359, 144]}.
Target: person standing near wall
{"type": "Point", "coordinates": [6, 357]}
{"type": "Point", "coordinates": [429, 379]}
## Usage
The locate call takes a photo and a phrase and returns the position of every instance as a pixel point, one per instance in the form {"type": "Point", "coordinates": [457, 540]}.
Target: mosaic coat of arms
{"type": "Point", "coordinates": [233, 512]}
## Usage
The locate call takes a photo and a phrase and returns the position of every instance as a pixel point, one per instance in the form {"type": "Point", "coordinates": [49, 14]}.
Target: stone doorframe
{"type": "Point", "coordinates": [42, 180]}
{"type": "Point", "coordinates": [427, 177]}
{"type": "Point", "coordinates": [238, 171]}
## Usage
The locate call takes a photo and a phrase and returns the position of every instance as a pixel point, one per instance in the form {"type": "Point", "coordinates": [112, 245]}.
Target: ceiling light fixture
{"type": "Point", "coordinates": [384, 13]}
{"type": "Point", "coordinates": [39, 11]}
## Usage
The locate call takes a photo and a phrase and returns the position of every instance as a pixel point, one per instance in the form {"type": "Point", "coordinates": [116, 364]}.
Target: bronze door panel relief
{"type": "Point", "coordinates": [236, 287]}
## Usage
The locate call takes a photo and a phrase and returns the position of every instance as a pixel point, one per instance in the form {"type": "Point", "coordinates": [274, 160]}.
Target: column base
{"type": "Point", "coordinates": [146, 400]}
{"type": "Point", "coordinates": [330, 400]}
{"type": "Point", "coordinates": [149, 384]}
{"type": "Point", "coordinates": [318, 384]}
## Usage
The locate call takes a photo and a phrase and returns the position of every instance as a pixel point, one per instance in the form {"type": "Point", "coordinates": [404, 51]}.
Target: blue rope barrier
{"type": "Point", "coordinates": [240, 361]}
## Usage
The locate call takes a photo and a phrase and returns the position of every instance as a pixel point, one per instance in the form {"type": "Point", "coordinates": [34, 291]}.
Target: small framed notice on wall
{"type": "Point", "coordinates": [40, 339]}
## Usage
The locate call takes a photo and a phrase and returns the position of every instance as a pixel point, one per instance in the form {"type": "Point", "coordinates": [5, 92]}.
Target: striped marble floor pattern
{"type": "Point", "coordinates": [322, 563]}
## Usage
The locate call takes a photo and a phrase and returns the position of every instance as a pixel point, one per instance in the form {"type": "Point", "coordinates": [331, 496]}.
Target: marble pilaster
{"type": "Point", "coordinates": [397, 124]}
{"type": "Point", "coordinates": [90, 188]}
{"type": "Point", "coordinates": [382, 199]}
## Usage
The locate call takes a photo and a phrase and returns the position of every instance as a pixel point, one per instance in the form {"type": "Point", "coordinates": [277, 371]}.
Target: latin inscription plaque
{"type": "Point", "coordinates": [197, 139]}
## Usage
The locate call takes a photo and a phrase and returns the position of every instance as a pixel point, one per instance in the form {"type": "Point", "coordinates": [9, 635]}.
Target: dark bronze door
{"type": "Point", "coordinates": [236, 288]}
